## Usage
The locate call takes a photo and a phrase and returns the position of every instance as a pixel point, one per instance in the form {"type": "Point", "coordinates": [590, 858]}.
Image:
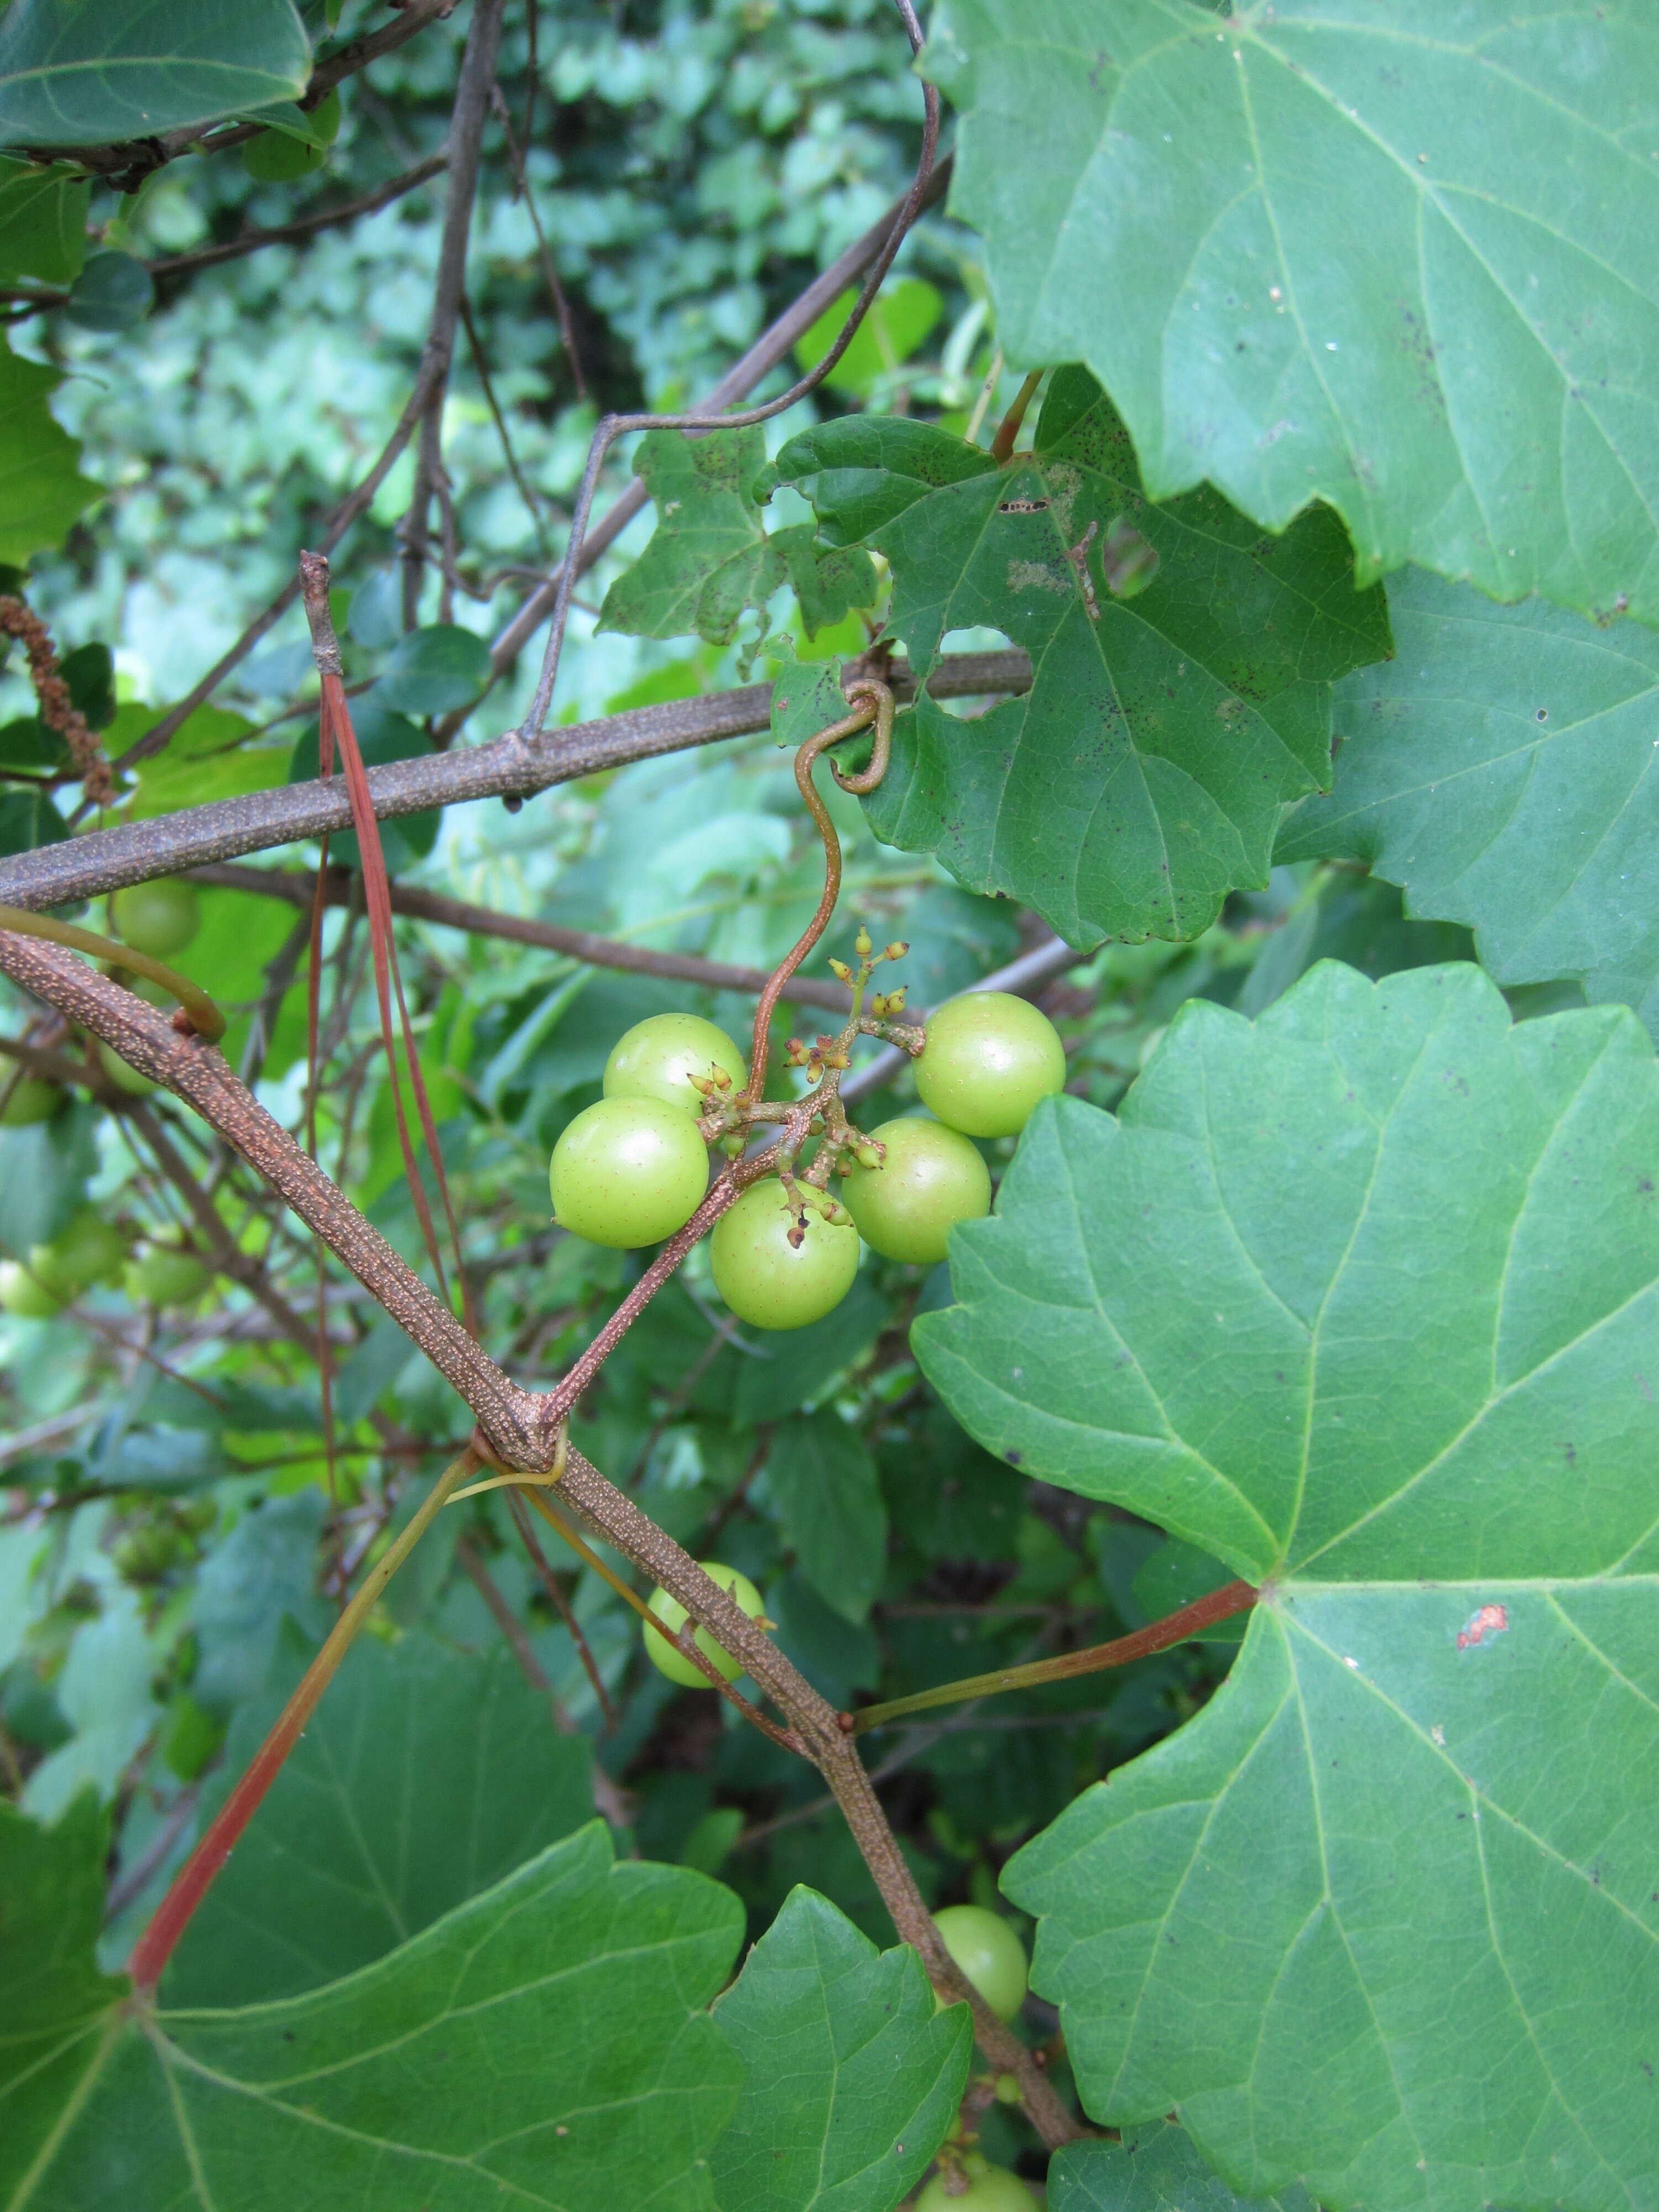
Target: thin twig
{"type": "Point", "coordinates": [774, 345]}
{"type": "Point", "coordinates": [302, 227]}
{"type": "Point", "coordinates": [484, 921]}
{"type": "Point", "coordinates": [612, 427]}
{"type": "Point", "coordinates": [473, 85]}
{"type": "Point", "coordinates": [549, 274]}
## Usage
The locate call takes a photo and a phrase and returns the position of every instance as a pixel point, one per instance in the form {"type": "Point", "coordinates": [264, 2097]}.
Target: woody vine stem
{"type": "Point", "coordinates": [523, 1434]}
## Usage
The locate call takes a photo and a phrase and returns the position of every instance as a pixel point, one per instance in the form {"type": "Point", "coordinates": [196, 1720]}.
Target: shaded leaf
{"type": "Point", "coordinates": [711, 560]}
{"type": "Point", "coordinates": [42, 222]}
{"type": "Point", "coordinates": [1362, 1300]}
{"type": "Point", "coordinates": [41, 491]}
{"type": "Point", "coordinates": [1321, 253]}
{"type": "Point", "coordinates": [69, 75]}
{"type": "Point", "coordinates": [111, 293]}
{"type": "Point", "coordinates": [824, 1485]}
{"type": "Point", "coordinates": [545, 2042]}
{"type": "Point", "coordinates": [1154, 2169]}
{"type": "Point", "coordinates": [430, 670]}
{"type": "Point", "coordinates": [851, 2073]}
{"type": "Point", "coordinates": [1140, 779]}
{"type": "Point", "coordinates": [425, 1776]}
{"type": "Point", "coordinates": [1502, 770]}
{"type": "Point", "coordinates": [104, 1693]}
{"type": "Point", "coordinates": [786, 1368]}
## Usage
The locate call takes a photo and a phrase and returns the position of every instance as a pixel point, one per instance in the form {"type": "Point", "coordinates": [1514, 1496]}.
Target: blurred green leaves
{"type": "Point", "coordinates": [71, 75]}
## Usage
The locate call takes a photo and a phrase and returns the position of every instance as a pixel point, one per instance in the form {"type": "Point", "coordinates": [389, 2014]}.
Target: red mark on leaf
{"type": "Point", "coordinates": [1491, 1621]}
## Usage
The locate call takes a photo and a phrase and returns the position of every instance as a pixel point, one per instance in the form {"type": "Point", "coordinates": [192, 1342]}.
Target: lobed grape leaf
{"type": "Point", "coordinates": [1364, 1300]}
{"type": "Point", "coordinates": [1154, 2169]}
{"type": "Point", "coordinates": [425, 1775]}
{"type": "Point", "coordinates": [852, 2072]}
{"type": "Point", "coordinates": [543, 2044]}
{"type": "Point", "coordinates": [1503, 770]}
{"type": "Point", "coordinates": [1140, 779]}
{"type": "Point", "coordinates": [1316, 251]}
{"type": "Point", "coordinates": [69, 75]}
{"type": "Point", "coordinates": [42, 492]}
{"type": "Point", "coordinates": [711, 560]}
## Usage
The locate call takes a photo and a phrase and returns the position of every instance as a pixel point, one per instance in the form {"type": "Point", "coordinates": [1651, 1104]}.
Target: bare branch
{"type": "Point", "coordinates": [223, 829]}
{"type": "Point", "coordinates": [472, 90]}
{"type": "Point", "coordinates": [484, 921]}
{"type": "Point", "coordinates": [302, 227]}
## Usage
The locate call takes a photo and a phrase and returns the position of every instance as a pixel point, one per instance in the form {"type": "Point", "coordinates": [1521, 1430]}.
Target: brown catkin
{"type": "Point", "coordinates": [57, 711]}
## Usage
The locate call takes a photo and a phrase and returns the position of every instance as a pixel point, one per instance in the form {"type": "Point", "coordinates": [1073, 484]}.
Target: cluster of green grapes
{"type": "Point", "coordinates": [160, 919]}
{"type": "Point", "coordinates": [634, 1168]}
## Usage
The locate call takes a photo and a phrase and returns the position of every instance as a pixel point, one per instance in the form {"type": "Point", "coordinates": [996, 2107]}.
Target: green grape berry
{"type": "Point", "coordinates": [658, 1057]}
{"type": "Point", "coordinates": [991, 2189]}
{"type": "Point", "coordinates": [160, 918]}
{"type": "Point", "coordinates": [932, 1176]}
{"type": "Point", "coordinates": [988, 1059]}
{"type": "Point", "coordinates": [628, 1171]}
{"type": "Point", "coordinates": [989, 1954]}
{"type": "Point", "coordinates": [32, 1100]}
{"type": "Point", "coordinates": [167, 1276]}
{"type": "Point", "coordinates": [766, 1281]}
{"type": "Point", "coordinates": [23, 1296]}
{"type": "Point", "coordinates": [90, 1250]}
{"type": "Point", "coordinates": [672, 1615]}
{"type": "Point", "coordinates": [273, 158]}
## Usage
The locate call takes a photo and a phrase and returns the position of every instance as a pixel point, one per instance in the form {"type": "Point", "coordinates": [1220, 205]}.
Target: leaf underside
{"type": "Point", "coordinates": [1503, 770]}
{"type": "Point", "coordinates": [1364, 1299]}
{"type": "Point", "coordinates": [1315, 252]}
{"type": "Point", "coordinates": [1140, 779]}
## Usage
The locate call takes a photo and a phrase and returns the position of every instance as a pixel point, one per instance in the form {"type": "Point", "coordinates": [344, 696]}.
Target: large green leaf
{"type": "Point", "coordinates": [1398, 259]}
{"type": "Point", "coordinates": [1503, 770]}
{"type": "Point", "coordinates": [711, 560]}
{"type": "Point", "coordinates": [41, 491]}
{"type": "Point", "coordinates": [72, 74]}
{"type": "Point", "coordinates": [546, 2045]}
{"type": "Point", "coordinates": [1140, 779]}
{"type": "Point", "coordinates": [851, 2073]}
{"type": "Point", "coordinates": [1364, 1300]}
{"type": "Point", "coordinates": [424, 1776]}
